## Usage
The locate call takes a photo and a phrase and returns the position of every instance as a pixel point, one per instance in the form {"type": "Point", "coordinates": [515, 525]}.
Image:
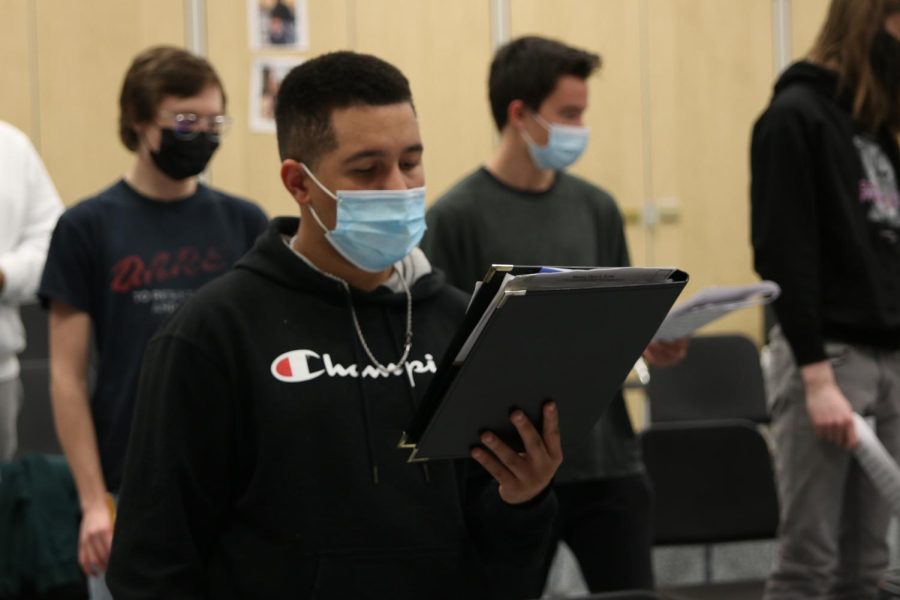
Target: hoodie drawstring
{"type": "Point", "coordinates": [409, 393]}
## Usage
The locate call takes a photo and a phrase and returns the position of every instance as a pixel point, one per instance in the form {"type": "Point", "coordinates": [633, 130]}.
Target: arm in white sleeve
{"type": "Point", "coordinates": [23, 262]}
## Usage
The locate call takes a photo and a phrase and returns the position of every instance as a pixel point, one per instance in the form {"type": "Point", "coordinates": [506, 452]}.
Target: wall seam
{"type": "Point", "coordinates": [34, 76]}
{"type": "Point", "coordinates": [195, 26]}
{"type": "Point", "coordinates": [649, 210]}
{"type": "Point", "coordinates": [500, 22]}
{"type": "Point", "coordinates": [781, 35]}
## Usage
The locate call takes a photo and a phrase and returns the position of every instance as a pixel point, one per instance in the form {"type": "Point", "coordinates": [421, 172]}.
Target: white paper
{"type": "Point", "coordinates": [877, 463]}
{"type": "Point", "coordinates": [562, 279]}
{"type": "Point", "coordinates": [712, 303]}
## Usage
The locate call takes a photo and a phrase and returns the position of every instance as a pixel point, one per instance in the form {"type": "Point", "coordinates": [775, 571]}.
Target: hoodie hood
{"type": "Point", "coordinates": [824, 216]}
{"type": "Point", "coordinates": [822, 81]}
{"type": "Point", "coordinates": [273, 259]}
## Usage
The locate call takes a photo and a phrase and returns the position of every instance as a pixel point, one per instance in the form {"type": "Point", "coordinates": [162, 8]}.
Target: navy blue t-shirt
{"type": "Point", "coordinates": [129, 262]}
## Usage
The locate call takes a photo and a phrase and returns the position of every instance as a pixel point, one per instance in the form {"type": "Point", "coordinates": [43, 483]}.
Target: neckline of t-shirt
{"type": "Point", "coordinates": [163, 205]}
{"type": "Point", "coordinates": [557, 176]}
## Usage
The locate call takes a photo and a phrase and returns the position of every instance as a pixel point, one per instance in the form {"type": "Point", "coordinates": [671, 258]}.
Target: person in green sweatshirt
{"type": "Point", "coordinates": [522, 207]}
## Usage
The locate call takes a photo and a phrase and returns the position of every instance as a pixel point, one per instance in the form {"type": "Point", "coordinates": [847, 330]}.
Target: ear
{"type": "Point", "coordinates": [515, 114]}
{"type": "Point", "coordinates": [295, 181]}
{"type": "Point", "coordinates": [140, 131]}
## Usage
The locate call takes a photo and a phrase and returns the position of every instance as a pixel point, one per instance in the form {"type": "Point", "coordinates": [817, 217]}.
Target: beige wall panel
{"type": "Point", "coordinates": [84, 49]}
{"type": "Point", "coordinates": [807, 17]}
{"type": "Point", "coordinates": [444, 49]}
{"type": "Point", "coordinates": [614, 158]}
{"type": "Point", "coordinates": [711, 72]}
{"type": "Point", "coordinates": [16, 63]}
{"type": "Point", "coordinates": [247, 162]}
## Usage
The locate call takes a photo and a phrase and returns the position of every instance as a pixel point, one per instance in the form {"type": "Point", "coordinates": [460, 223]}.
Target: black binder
{"type": "Point", "coordinates": [573, 343]}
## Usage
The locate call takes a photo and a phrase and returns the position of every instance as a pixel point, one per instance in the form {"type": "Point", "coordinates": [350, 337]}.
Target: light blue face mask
{"type": "Point", "coordinates": [374, 228]}
{"type": "Point", "coordinates": [564, 146]}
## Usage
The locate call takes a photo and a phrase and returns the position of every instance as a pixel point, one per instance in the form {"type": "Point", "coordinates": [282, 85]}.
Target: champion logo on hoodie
{"type": "Point", "coordinates": [297, 366]}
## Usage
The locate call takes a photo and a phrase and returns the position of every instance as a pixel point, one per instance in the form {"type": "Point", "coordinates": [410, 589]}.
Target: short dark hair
{"type": "Point", "coordinates": [528, 69]}
{"type": "Point", "coordinates": [154, 74]}
{"type": "Point", "coordinates": [313, 90]}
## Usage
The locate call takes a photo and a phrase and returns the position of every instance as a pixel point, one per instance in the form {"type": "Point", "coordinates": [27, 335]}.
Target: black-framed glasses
{"type": "Point", "coordinates": [188, 125]}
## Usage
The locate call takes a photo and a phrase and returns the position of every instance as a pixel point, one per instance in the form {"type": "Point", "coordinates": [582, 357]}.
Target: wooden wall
{"type": "Point", "coordinates": [670, 113]}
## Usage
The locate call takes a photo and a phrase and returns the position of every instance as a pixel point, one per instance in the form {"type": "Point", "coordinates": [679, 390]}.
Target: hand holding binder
{"type": "Point", "coordinates": [523, 475]}
{"type": "Point", "coordinates": [528, 337]}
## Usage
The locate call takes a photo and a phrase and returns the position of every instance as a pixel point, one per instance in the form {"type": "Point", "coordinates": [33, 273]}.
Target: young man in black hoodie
{"type": "Point", "coordinates": [826, 227]}
{"type": "Point", "coordinates": [264, 458]}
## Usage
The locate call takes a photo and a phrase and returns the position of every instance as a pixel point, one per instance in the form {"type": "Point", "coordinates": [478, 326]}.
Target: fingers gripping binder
{"type": "Point", "coordinates": [533, 334]}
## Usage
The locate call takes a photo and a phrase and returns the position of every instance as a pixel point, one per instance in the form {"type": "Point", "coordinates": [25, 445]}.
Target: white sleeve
{"type": "Point", "coordinates": [23, 263]}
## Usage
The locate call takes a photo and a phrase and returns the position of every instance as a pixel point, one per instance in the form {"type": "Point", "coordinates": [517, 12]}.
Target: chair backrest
{"type": "Point", "coordinates": [720, 378]}
{"type": "Point", "coordinates": [713, 482]}
{"type": "Point", "coordinates": [34, 318]}
{"type": "Point", "coordinates": [35, 426]}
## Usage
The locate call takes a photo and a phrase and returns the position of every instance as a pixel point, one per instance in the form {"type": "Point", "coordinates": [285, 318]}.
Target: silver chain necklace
{"type": "Point", "coordinates": [407, 346]}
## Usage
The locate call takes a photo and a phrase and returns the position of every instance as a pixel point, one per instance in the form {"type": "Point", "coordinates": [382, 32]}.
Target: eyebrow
{"type": "Point", "coordinates": [379, 153]}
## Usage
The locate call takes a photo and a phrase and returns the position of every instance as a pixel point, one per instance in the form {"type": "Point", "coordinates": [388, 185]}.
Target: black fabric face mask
{"type": "Point", "coordinates": [885, 59]}
{"type": "Point", "coordinates": [180, 158]}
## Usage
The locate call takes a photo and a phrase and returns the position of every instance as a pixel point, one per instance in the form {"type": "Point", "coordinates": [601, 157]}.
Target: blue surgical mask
{"type": "Point", "coordinates": [564, 146]}
{"type": "Point", "coordinates": [374, 228]}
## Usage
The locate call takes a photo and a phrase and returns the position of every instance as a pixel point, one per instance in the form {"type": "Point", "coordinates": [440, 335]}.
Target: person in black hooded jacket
{"type": "Point", "coordinates": [263, 459]}
{"type": "Point", "coordinates": [826, 227]}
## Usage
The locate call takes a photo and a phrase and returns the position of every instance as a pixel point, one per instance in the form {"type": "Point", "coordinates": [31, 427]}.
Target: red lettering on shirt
{"type": "Point", "coordinates": [127, 274]}
{"type": "Point", "coordinates": [213, 261]}
{"type": "Point", "coordinates": [159, 266]}
{"type": "Point", "coordinates": [131, 272]}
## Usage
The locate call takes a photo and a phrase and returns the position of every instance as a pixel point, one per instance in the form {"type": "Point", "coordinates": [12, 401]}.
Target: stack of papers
{"type": "Point", "coordinates": [712, 303]}
{"type": "Point", "coordinates": [555, 278]}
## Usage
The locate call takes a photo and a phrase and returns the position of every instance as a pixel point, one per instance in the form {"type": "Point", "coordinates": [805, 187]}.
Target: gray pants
{"type": "Point", "coordinates": [832, 538]}
{"type": "Point", "coordinates": [97, 589]}
{"type": "Point", "coordinates": [10, 402]}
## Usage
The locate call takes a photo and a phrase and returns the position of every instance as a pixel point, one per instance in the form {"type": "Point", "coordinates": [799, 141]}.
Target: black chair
{"type": "Point", "coordinates": [36, 432]}
{"type": "Point", "coordinates": [713, 483]}
{"type": "Point", "coordinates": [34, 318]}
{"type": "Point", "coordinates": [720, 378]}
{"type": "Point", "coordinates": [35, 426]}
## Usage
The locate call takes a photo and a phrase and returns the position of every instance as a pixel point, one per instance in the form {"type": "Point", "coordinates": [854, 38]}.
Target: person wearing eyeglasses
{"type": "Point", "coordinates": [122, 261]}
